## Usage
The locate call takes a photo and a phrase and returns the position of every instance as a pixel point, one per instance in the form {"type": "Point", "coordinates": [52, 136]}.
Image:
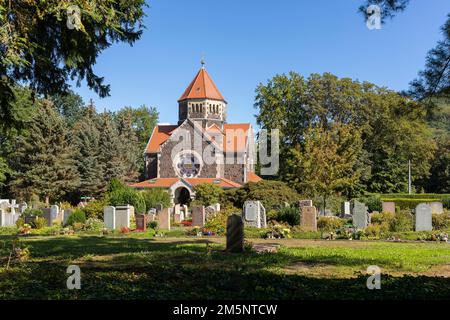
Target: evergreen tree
{"type": "Point", "coordinates": [110, 148]}
{"type": "Point", "coordinates": [130, 151]}
{"type": "Point", "coordinates": [86, 139]}
{"type": "Point", "coordinates": [43, 158]}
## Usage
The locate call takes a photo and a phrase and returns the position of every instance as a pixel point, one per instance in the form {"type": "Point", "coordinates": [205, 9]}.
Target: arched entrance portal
{"type": "Point", "coordinates": [182, 196]}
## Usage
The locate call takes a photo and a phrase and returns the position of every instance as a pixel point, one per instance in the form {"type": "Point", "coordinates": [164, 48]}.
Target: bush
{"type": "Point", "coordinates": [218, 222]}
{"type": "Point", "coordinates": [94, 209]}
{"type": "Point", "coordinates": [78, 216]}
{"type": "Point", "coordinates": [39, 223]}
{"type": "Point", "coordinates": [32, 213]}
{"type": "Point", "coordinates": [207, 194]}
{"type": "Point", "coordinates": [330, 224]}
{"type": "Point", "coordinates": [93, 224]}
{"type": "Point", "coordinates": [409, 203]}
{"type": "Point", "coordinates": [20, 223]}
{"type": "Point", "coordinates": [446, 202]}
{"type": "Point", "coordinates": [288, 215]}
{"type": "Point", "coordinates": [373, 203]}
{"type": "Point", "coordinates": [441, 221]}
{"type": "Point", "coordinates": [152, 225]}
{"type": "Point", "coordinates": [154, 196]}
{"type": "Point", "coordinates": [401, 221]}
{"type": "Point", "coordinates": [129, 196]}
{"type": "Point", "coordinates": [269, 192]}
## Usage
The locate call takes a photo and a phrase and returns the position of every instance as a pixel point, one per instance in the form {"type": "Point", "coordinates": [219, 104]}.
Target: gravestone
{"type": "Point", "coordinates": [176, 211]}
{"type": "Point", "coordinates": [308, 220]}
{"type": "Point", "coordinates": [141, 222]}
{"type": "Point", "coordinates": [186, 212]}
{"type": "Point", "coordinates": [198, 216]}
{"type": "Point", "coordinates": [388, 207]}
{"type": "Point", "coordinates": [305, 203]}
{"type": "Point", "coordinates": [361, 217]}
{"type": "Point", "coordinates": [254, 214]}
{"type": "Point", "coordinates": [216, 207]}
{"type": "Point", "coordinates": [55, 214]}
{"type": "Point", "coordinates": [151, 211]}
{"type": "Point", "coordinates": [423, 217]}
{"type": "Point", "coordinates": [151, 217]}
{"type": "Point", "coordinates": [13, 206]}
{"type": "Point", "coordinates": [159, 208]}
{"type": "Point", "coordinates": [7, 219]}
{"type": "Point", "coordinates": [210, 211]}
{"type": "Point", "coordinates": [177, 217]}
{"type": "Point", "coordinates": [109, 217]}
{"type": "Point", "coordinates": [235, 234]}
{"type": "Point", "coordinates": [164, 219]}
{"type": "Point", "coordinates": [123, 216]}
{"type": "Point", "coordinates": [47, 216]}
{"type": "Point", "coordinates": [66, 214]}
{"type": "Point", "coordinates": [345, 209]}
{"type": "Point", "coordinates": [22, 207]}
{"type": "Point", "coordinates": [436, 207]}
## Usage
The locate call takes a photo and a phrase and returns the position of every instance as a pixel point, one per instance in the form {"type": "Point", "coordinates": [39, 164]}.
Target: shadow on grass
{"type": "Point", "coordinates": [185, 269]}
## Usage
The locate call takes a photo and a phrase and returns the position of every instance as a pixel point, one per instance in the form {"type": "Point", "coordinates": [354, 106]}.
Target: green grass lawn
{"type": "Point", "coordinates": [136, 266]}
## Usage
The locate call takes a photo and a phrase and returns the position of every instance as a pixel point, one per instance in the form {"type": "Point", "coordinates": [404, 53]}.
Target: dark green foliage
{"type": "Point", "coordinates": [289, 215]}
{"type": "Point", "coordinates": [43, 159]}
{"type": "Point", "coordinates": [129, 196]}
{"type": "Point", "coordinates": [372, 202]}
{"type": "Point", "coordinates": [271, 193]}
{"type": "Point", "coordinates": [207, 194]}
{"type": "Point", "coordinates": [155, 196]}
{"type": "Point", "coordinates": [32, 212]}
{"type": "Point", "coordinates": [78, 216]}
{"type": "Point", "coordinates": [86, 139]}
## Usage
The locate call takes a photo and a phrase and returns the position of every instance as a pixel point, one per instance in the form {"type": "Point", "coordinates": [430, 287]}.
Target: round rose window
{"type": "Point", "coordinates": [188, 165]}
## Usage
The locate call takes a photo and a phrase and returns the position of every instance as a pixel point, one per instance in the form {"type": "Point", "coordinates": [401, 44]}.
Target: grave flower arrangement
{"type": "Point", "coordinates": [25, 229]}
{"type": "Point", "coordinates": [186, 223]}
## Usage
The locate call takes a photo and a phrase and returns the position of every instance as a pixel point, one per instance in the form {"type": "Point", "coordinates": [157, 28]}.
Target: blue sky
{"type": "Point", "coordinates": [248, 42]}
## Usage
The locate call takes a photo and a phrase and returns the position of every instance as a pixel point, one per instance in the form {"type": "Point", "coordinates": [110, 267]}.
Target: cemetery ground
{"type": "Point", "coordinates": [140, 266]}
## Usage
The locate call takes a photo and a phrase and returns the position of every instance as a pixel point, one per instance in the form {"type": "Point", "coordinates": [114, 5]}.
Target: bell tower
{"type": "Point", "coordinates": [202, 101]}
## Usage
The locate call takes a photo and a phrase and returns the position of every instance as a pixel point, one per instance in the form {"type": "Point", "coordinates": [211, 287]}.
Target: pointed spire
{"type": "Point", "coordinates": [202, 87]}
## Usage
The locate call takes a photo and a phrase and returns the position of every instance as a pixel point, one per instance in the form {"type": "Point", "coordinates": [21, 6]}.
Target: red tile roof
{"type": "Point", "coordinates": [236, 136]}
{"type": "Point", "coordinates": [202, 87]}
{"type": "Point", "coordinates": [253, 177]}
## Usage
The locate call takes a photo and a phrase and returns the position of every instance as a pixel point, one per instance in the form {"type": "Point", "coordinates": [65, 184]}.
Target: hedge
{"type": "Point", "coordinates": [405, 203]}
{"type": "Point", "coordinates": [412, 196]}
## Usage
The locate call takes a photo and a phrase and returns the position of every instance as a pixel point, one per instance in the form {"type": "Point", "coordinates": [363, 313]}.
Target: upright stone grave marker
{"type": "Point", "coordinates": [47, 215]}
{"type": "Point", "coordinates": [164, 219]}
{"type": "Point", "coordinates": [55, 214]}
{"type": "Point", "coordinates": [423, 217]}
{"type": "Point", "coordinates": [361, 217]}
{"type": "Point", "coordinates": [388, 207]}
{"type": "Point", "coordinates": [235, 234]}
{"type": "Point", "coordinates": [308, 220]}
{"type": "Point", "coordinates": [123, 216]}
{"type": "Point", "coordinates": [198, 216]}
{"type": "Point", "coordinates": [436, 207]}
{"type": "Point", "coordinates": [141, 222]}
{"type": "Point", "coordinates": [345, 209]}
{"type": "Point", "coordinates": [254, 214]}
{"type": "Point", "coordinates": [66, 214]}
{"type": "Point", "coordinates": [109, 217]}
{"type": "Point", "coordinates": [305, 203]}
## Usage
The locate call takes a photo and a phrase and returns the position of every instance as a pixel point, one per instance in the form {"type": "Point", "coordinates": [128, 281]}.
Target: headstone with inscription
{"type": "Point", "coordinates": [388, 206]}
{"type": "Point", "coordinates": [109, 217]}
{"type": "Point", "coordinates": [345, 209]}
{"type": "Point", "coordinates": [123, 216]}
{"type": "Point", "coordinates": [254, 214]}
{"type": "Point", "coordinates": [423, 217]}
{"type": "Point", "coordinates": [361, 217]}
{"type": "Point", "coordinates": [308, 220]}
{"type": "Point", "coordinates": [235, 234]}
{"type": "Point", "coordinates": [164, 219]}
{"type": "Point", "coordinates": [198, 216]}
{"type": "Point", "coordinates": [141, 222]}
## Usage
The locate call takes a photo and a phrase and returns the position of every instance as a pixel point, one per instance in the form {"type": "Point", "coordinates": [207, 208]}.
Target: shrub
{"type": "Point", "coordinates": [218, 222]}
{"type": "Point", "coordinates": [94, 208]}
{"type": "Point", "coordinates": [39, 223]}
{"type": "Point", "coordinates": [129, 196]}
{"type": "Point", "coordinates": [330, 224]}
{"type": "Point", "coordinates": [409, 203]}
{"type": "Point", "coordinates": [288, 215]}
{"type": "Point", "coordinates": [78, 216]}
{"type": "Point", "coordinates": [403, 221]}
{"type": "Point", "coordinates": [446, 202]}
{"type": "Point", "coordinates": [32, 213]}
{"type": "Point", "coordinates": [269, 192]}
{"type": "Point", "coordinates": [207, 194]}
{"type": "Point", "coordinates": [153, 225]}
{"type": "Point", "coordinates": [20, 223]}
{"type": "Point", "coordinates": [441, 221]}
{"type": "Point", "coordinates": [93, 224]}
{"type": "Point", "coordinates": [154, 196]}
